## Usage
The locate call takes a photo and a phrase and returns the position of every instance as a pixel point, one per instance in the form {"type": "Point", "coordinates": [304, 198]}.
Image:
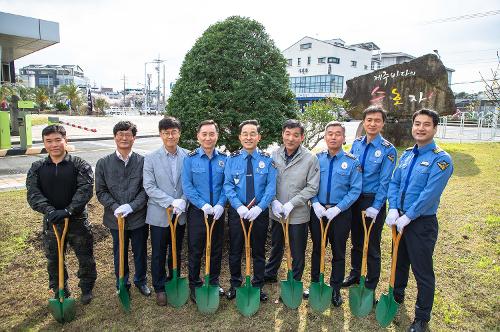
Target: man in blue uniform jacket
{"type": "Point", "coordinates": [378, 158]}
{"type": "Point", "coordinates": [339, 187]}
{"type": "Point", "coordinates": [202, 181]}
{"type": "Point", "coordinates": [250, 173]}
{"type": "Point", "coordinates": [414, 194]}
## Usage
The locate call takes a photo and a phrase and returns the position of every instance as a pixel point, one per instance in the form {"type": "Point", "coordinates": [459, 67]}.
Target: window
{"type": "Point", "coordinates": [298, 61]}
{"type": "Point", "coordinates": [289, 62]}
{"type": "Point", "coordinates": [315, 84]}
{"type": "Point", "coordinates": [321, 60]}
{"type": "Point", "coordinates": [333, 60]}
{"type": "Point", "coordinates": [305, 46]}
{"type": "Point", "coordinates": [308, 60]}
{"type": "Point", "coordinates": [354, 63]}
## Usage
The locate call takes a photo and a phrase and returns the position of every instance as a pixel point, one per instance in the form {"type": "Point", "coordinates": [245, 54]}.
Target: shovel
{"type": "Point", "coordinates": [122, 288]}
{"type": "Point", "coordinates": [360, 297]}
{"type": "Point", "coordinates": [207, 296]}
{"type": "Point", "coordinates": [320, 294]}
{"type": "Point", "coordinates": [63, 309]}
{"type": "Point", "coordinates": [177, 288]}
{"type": "Point", "coordinates": [387, 307]}
{"type": "Point", "coordinates": [291, 289]}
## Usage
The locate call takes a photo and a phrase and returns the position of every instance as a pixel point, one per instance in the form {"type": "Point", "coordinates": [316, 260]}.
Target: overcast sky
{"type": "Point", "coordinates": [109, 39]}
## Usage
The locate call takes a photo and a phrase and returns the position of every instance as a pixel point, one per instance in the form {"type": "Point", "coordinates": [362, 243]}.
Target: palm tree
{"type": "Point", "coordinates": [100, 104]}
{"type": "Point", "coordinates": [41, 98]}
{"type": "Point", "coordinates": [72, 93]}
{"type": "Point", "coordinates": [24, 93]}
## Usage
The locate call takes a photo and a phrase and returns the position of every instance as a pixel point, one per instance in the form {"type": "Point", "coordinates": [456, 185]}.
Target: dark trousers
{"type": "Point", "coordinates": [139, 239]}
{"type": "Point", "coordinates": [237, 247]}
{"type": "Point", "coordinates": [358, 236]}
{"type": "Point", "coordinates": [298, 243]}
{"type": "Point", "coordinates": [416, 249]}
{"type": "Point", "coordinates": [80, 238]}
{"type": "Point", "coordinates": [338, 232]}
{"type": "Point", "coordinates": [161, 242]}
{"type": "Point", "coordinates": [197, 244]}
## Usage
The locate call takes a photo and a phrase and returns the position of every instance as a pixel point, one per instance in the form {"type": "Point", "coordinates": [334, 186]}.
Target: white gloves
{"type": "Point", "coordinates": [124, 209]}
{"type": "Point", "coordinates": [218, 211]}
{"type": "Point", "coordinates": [319, 209]}
{"type": "Point", "coordinates": [253, 213]}
{"type": "Point", "coordinates": [391, 217]}
{"type": "Point", "coordinates": [277, 208]}
{"type": "Point", "coordinates": [401, 222]}
{"type": "Point", "coordinates": [179, 205]}
{"type": "Point", "coordinates": [372, 213]}
{"type": "Point", "coordinates": [207, 209]}
{"type": "Point", "coordinates": [287, 208]}
{"type": "Point", "coordinates": [332, 213]}
{"type": "Point", "coordinates": [242, 211]}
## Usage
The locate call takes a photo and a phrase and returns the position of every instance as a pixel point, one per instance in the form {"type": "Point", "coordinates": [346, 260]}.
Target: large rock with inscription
{"type": "Point", "coordinates": [401, 90]}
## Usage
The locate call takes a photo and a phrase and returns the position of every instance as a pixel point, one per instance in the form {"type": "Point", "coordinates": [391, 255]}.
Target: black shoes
{"type": "Point", "coordinates": [305, 295]}
{"type": "Point", "coordinates": [270, 280]}
{"type": "Point", "coordinates": [350, 280]}
{"type": "Point", "coordinates": [399, 298]}
{"type": "Point", "coordinates": [337, 298]}
{"type": "Point", "coordinates": [144, 290]}
{"type": "Point", "coordinates": [231, 293]}
{"type": "Point", "coordinates": [263, 296]}
{"type": "Point", "coordinates": [221, 291]}
{"type": "Point", "coordinates": [418, 326]}
{"type": "Point", "coordinates": [86, 297]}
{"type": "Point", "coordinates": [192, 295]}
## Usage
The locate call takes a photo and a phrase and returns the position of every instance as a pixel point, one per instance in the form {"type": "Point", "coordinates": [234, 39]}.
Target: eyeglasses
{"type": "Point", "coordinates": [126, 135]}
{"type": "Point", "coordinates": [251, 134]}
{"type": "Point", "coordinates": [168, 133]}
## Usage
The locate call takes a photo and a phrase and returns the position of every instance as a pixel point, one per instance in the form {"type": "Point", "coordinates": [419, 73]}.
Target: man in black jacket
{"type": "Point", "coordinates": [60, 186]}
{"type": "Point", "coordinates": [118, 186]}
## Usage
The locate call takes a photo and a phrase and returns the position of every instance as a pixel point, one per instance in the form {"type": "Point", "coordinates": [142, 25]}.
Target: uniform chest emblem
{"type": "Point", "coordinates": [262, 164]}
{"type": "Point", "coordinates": [378, 153]}
{"type": "Point", "coordinates": [221, 163]}
{"type": "Point", "coordinates": [343, 165]}
{"type": "Point", "coordinates": [424, 163]}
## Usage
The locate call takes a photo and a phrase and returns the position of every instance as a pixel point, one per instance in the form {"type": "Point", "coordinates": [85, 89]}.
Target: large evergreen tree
{"type": "Point", "coordinates": [234, 72]}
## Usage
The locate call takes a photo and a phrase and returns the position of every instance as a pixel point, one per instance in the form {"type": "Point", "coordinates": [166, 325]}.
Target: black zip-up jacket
{"type": "Point", "coordinates": [67, 185]}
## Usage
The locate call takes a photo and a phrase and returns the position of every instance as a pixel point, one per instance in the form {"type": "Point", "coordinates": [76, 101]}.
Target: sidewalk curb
{"type": "Point", "coordinates": [84, 139]}
{"type": "Point", "coordinates": [29, 151]}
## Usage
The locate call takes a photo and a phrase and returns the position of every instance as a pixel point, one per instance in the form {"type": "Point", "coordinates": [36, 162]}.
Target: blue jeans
{"type": "Point", "coordinates": [139, 239]}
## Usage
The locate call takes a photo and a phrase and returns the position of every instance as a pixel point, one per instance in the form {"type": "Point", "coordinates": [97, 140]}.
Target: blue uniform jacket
{"type": "Point", "coordinates": [377, 159]}
{"type": "Point", "coordinates": [341, 176]}
{"type": "Point", "coordinates": [264, 173]}
{"type": "Point", "coordinates": [422, 175]}
{"type": "Point", "coordinates": [203, 178]}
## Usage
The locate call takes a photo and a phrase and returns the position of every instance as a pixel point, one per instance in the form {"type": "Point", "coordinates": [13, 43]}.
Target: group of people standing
{"type": "Point", "coordinates": [291, 183]}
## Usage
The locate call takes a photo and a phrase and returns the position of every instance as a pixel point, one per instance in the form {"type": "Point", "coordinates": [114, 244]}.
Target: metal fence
{"type": "Point", "coordinates": [470, 126]}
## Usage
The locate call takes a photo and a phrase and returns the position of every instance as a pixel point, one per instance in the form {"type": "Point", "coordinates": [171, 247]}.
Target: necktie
{"type": "Point", "coordinates": [407, 181]}
{"type": "Point", "coordinates": [249, 180]}
{"type": "Point", "coordinates": [330, 169]}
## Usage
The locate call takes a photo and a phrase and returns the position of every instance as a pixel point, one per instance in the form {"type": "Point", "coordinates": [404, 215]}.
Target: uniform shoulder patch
{"type": "Point", "coordinates": [443, 165]}
{"type": "Point", "coordinates": [409, 149]}
{"type": "Point", "coordinates": [360, 138]}
{"type": "Point", "coordinates": [235, 153]}
{"type": "Point", "coordinates": [192, 153]}
{"type": "Point", "coordinates": [437, 149]}
{"type": "Point", "coordinates": [386, 143]}
{"type": "Point", "coordinates": [265, 154]}
{"type": "Point", "coordinates": [391, 157]}
{"type": "Point", "coordinates": [350, 155]}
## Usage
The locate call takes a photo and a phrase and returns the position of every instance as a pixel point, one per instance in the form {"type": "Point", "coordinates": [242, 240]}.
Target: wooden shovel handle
{"type": "Point", "coordinates": [284, 224]}
{"type": "Point", "coordinates": [364, 261]}
{"type": "Point", "coordinates": [173, 229]}
{"type": "Point", "coordinates": [395, 245]}
{"type": "Point", "coordinates": [60, 252]}
{"type": "Point", "coordinates": [324, 235]}
{"type": "Point", "coordinates": [246, 235]}
{"type": "Point", "coordinates": [121, 245]}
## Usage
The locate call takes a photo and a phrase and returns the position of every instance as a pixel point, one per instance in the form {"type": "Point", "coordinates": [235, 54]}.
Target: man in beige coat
{"type": "Point", "coordinates": [297, 182]}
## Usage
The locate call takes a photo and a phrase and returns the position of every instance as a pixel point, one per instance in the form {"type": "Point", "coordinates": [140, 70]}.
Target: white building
{"type": "Point", "coordinates": [52, 76]}
{"type": "Point", "coordinates": [320, 68]}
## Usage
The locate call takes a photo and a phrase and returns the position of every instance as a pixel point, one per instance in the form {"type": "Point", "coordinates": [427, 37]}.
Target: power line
{"type": "Point", "coordinates": [462, 17]}
{"type": "Point", "coordinates": [472, 82]}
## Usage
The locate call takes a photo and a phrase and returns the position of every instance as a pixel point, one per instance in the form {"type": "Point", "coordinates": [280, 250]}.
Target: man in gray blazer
{"type": "Point", "coordinates": [297, 182]}
{"type": "Point", "coordinates": [162, 182]}
{"type": "Point", "coordinates": [118, 186]}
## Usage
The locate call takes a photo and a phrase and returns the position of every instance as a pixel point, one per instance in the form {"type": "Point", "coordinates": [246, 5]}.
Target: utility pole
{"type": "Point", "coordinates": [164, 85]}
{"type": "Point", "coordinates": [158, 69]}
{"type": "Point", "coordinates": [124, 79]}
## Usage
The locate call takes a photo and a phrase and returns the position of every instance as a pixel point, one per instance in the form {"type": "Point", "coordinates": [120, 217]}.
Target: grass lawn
{"type": "Point", "coordinates": [39, 119]}
{"type": "Point", "coordinates": [466, 262]}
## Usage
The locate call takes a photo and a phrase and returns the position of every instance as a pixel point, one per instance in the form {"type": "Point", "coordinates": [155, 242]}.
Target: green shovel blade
{"type": "Point", "coordinates": [360, 299]}
{"type": "Point", "coordinates": [207, 297]}
{"type": "Point", "coordinates": [177, 290]}
{"type": "Point", "coordinates": [62, 311]}
{"type": "Point", "coordinates": [291, 291]}
{"type": "Point", "coordinates": [320, 295]}
{"type": "Point", "coordinates": [386, 308]}
{"type": "Point", "coordinates": [248, 298]}
{"type": "Point", "coordinates": [123, 295]}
